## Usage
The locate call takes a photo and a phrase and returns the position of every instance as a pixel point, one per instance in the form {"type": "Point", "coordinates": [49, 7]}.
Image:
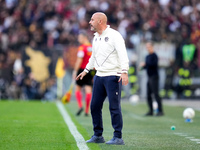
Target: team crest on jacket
{"type": "Point", "coordinates": [106, 39]}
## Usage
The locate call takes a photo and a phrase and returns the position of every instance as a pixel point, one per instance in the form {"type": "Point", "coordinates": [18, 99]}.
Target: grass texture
{"type": "Point", "coordinates": [34, 125]}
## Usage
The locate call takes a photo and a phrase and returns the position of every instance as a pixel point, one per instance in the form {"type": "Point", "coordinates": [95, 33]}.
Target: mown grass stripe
{"type": "Point", "coordinates": [78, 137]}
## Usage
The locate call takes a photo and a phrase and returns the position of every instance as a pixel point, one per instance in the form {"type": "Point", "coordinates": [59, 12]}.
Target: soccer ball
{"type": "Point", "coordinates": [188, 113]}
{"type": "Point", "coordinates": [134, 99]}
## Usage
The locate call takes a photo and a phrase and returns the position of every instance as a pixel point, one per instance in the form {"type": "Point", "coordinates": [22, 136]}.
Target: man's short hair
{"type": "Point", "coordinates": [150, 42]}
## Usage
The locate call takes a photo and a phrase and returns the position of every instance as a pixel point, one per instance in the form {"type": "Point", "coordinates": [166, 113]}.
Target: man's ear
{"type": "Point", "coordinates": [99, 21]}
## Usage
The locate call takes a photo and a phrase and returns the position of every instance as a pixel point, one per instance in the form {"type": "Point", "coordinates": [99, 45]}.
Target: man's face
{"type": "Point", "coordinates": [80, 38]}
{"type": "Point", "coordinates": [93, 23]}
{"type": "Point", "coordinates": [149, 48]}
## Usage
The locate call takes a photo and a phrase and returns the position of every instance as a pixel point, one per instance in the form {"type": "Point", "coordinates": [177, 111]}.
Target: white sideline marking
{"type": "Point", "coordinates": [72, 128]}
{"type": "Point", "coordinates": [189, 137]}
{"type": "Point", "coordinates": [196, 140]}
{"type": "Point", "coordinates": [183, 135]}
{"type": "Point", "coordinates": [137, 117]}
{"type": "Point", "coordinates": [178, 133]}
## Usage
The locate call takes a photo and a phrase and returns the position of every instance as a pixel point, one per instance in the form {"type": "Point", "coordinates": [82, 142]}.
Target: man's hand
{"type": "Point", "coordinates": [124, 78]}
{"type": "Point", "coordinates": [74, 73]}
{"type": "Point", "coordinates": [81, 75]}
{"type": "Point", "coordinates": [142, 64]}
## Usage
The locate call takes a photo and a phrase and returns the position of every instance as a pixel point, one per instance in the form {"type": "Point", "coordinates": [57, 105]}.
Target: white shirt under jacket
{"type": "Point", "coordinates": [109, 56]}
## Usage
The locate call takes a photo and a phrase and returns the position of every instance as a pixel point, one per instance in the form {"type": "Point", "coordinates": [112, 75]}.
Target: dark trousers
{"type": "Point", "coordinates": [103, 87]}
{"type": "Point", "coordinates": [152, 88]}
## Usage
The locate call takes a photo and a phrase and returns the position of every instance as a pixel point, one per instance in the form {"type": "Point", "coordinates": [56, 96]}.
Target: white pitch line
{"type": "Point", "coordinates": [196, 140]}
{"type": "Point", "coordinates": [183, 135]}
{"type": "Point", "coordinates": [189, 137]}
{"type": "Point", "coordinates": [72, 128]}
{"type": "Point", "coordinates": [178, 133]}
{"type": "Point", "coordinates": [137, 117]}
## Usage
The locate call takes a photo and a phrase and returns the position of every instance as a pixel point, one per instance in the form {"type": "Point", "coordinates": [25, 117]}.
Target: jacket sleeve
{"type": "Point", "coordinates": [122, 53]}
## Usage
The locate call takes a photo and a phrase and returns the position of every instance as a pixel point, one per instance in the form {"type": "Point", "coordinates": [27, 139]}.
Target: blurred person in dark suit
{"type": "Point", "coordinates": [151, 66]}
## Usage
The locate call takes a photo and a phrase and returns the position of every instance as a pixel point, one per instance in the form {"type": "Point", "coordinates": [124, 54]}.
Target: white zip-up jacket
{"type": "Point", "coordinates": [109, 56]}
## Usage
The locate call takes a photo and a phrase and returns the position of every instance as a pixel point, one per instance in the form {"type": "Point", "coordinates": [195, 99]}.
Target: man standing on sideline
{"type": "Point", "coordinates": [151, 65]}
{"type": "Point", "coordinates": [109, 58]}
{"type": "Point", "coordinates": [83, 55]}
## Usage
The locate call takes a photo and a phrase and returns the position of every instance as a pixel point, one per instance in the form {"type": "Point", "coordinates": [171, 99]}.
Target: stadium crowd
{"type": "Point", "coordinates": [49, 23]}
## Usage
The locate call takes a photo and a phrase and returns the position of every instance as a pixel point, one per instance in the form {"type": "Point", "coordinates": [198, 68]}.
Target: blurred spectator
{"type": "Point", "coordinates": [14, 91]}
{"type": "Point", "coordinates": [51, 91]}
{"type": "Point", "coordinates": [18, 77]}
{"type": "Point", "coordinates": [58, 18]}
{"type": "Point", "coordinates": [31, 88]}
{"type": "Point", "coordinates": [5, 75]}
{"type": "Point", "coordinates": [50, 23]}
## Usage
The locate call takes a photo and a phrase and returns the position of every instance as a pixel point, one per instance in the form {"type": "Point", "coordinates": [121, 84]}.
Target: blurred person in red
{"type": "Point", "coordinates": [83, 55]}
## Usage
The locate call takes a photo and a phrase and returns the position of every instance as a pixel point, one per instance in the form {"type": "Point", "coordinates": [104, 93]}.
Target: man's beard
{"type": "Point", "coordinates": [92, 28]}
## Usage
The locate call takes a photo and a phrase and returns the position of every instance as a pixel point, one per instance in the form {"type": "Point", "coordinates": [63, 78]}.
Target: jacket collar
{"type": "Point", "coordinates": [104, 32]}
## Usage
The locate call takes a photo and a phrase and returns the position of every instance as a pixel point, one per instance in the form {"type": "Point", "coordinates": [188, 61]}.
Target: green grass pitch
{"type": "Point", "coordinates": [34, 125]}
